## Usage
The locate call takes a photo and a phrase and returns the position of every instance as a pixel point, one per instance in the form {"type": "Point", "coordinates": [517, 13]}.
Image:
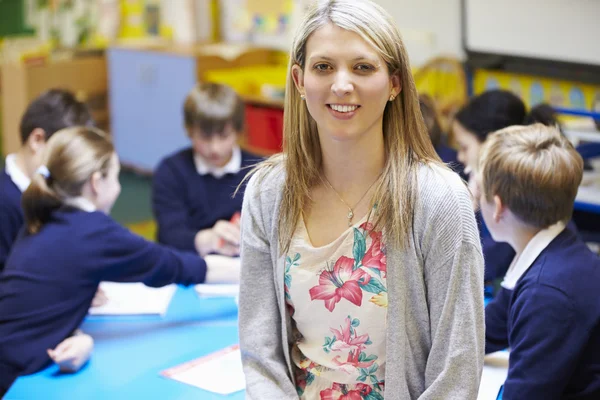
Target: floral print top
{"type": "Point", "coordinates": [337, 297]}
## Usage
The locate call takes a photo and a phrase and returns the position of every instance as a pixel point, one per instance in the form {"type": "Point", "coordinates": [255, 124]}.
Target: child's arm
{"type": "Point", "coordinates": [496, 322]}
{"type": "Point", "coordinates": [170, 209]}
{"type": "Point", "coordinates": [73, 352]}
{"type": "Point", "coordinates": [122, 256]}
{"type": "Point", "coordinates": [546, 344]}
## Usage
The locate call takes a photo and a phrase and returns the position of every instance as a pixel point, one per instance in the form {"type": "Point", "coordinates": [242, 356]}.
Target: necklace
{"type": "Point", "coordinates": [350, 209]}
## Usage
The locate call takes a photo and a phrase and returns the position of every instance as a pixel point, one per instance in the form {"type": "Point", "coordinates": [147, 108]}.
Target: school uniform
{"type": "Point", "coordinates": [450, 157]}
{"type": "Point", "coordinates": [548, 314]}
{"type": "Point", "coordinates": [188, 195]}
{"type": "Point", "coordinates": [13, 183]}
{"type": "Point", "coordinates": [51, 277]}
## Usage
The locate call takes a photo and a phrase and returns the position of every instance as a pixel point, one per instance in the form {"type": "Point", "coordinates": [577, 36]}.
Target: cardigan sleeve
{"type": "Point", "coordinates": [260, 322]}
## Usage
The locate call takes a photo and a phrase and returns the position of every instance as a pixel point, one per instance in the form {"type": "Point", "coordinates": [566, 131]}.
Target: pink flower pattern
{"type": "Point", "coordinates": [347, 279]}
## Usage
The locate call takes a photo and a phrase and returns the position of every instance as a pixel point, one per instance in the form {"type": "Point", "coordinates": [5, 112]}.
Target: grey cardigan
{"type": "Point", "coordinates": [435, 318]}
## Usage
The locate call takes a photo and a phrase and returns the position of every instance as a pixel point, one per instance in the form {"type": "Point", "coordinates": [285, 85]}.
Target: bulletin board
{"type": "Point", "coordinates": [556, 37]}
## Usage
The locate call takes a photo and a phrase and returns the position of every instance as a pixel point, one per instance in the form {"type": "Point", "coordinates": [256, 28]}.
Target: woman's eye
{"type": "Point", "coordinates": [364, 67]}
{"type": "Point", "coordinates": [322, 67]}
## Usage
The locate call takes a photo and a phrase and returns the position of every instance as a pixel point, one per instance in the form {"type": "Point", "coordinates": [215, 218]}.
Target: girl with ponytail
{"type": "Point", "coordinates": [69, 245]}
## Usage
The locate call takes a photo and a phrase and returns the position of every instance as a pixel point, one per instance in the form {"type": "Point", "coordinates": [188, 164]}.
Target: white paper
{"type": "Point", "coordinates": [134, 299]}
{"type": "Point", "coordinates": [217, 290]}
{"type": "Point", "coordinates": [220, 372]}
{"type": "Point", "coordinates": [495, 371]}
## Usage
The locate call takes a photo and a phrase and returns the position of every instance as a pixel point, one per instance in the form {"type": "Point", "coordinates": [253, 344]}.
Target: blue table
{"type": "Point", "coordinates": [130, 353]}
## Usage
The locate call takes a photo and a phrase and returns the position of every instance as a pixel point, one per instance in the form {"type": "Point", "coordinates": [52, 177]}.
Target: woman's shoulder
{"type": "Point", "coordinates": [267, 178]}
{"type": "Point", "coordinates": [439, 186]}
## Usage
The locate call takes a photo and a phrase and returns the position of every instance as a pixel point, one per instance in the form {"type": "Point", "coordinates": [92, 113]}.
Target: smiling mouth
{"type": "Point", "coordinates": [343, 108]}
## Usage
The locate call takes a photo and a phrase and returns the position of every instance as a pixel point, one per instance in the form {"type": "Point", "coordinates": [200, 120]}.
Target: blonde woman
{"type": "Point", "coordinates": [361, 262]}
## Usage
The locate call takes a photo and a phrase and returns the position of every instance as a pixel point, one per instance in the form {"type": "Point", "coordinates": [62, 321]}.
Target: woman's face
{"type": "Point", "coordinates": [468, 146]}
{"type": "Point", "coordinates": [346, 83]}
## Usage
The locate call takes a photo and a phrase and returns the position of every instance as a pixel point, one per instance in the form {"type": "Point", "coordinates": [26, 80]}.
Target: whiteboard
{"type": "Point", "coordinates": [559, 30]}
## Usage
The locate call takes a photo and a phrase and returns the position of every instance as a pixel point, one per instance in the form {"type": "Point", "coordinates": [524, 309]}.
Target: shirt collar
{"type": "Point", "coordinates": [18, 177]}
{"type": "Point", "coordinates": [536, 245]}
{"type": "Point", "coordinates": [81, 203]}
{"type": "Point", "coordinates": [232, 167]}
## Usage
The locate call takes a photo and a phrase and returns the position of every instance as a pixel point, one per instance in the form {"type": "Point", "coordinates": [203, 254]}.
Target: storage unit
{"type": "Point", "coordinates": [85, 76]}
{"type": "Point", "coordinates": [148, 86]}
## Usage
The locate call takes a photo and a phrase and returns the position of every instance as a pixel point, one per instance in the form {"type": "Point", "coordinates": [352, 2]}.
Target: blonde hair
{"type": "Point", "coordinates": [213, 106]}
{"type": "Point", "coordinates": [71, 157]}
{"type": "Point", "coordinates": [534, 170]}
{"type": "Point", "coordinates": [406, 140]}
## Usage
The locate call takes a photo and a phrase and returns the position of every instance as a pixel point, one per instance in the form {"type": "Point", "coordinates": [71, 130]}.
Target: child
{"type": "Point", "coordinates": [193, 189]}
{"type": "Point", "coordinates": [51, 111]}
{"type": "Point", "coordinates": [484, 114]}
{"type": "Point", "coordinates": [430, 116]}
{"type": "Point", "coordinates": [548, 310]}
{"type": "Point", "coordinates": [69, 245]}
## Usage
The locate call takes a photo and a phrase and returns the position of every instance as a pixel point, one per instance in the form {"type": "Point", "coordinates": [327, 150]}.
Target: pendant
{"type": "Point", "coordinates": [350, 216]}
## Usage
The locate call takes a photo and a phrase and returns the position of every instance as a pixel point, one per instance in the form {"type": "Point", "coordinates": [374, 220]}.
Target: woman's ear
{"type": "Point", "coordinates": [396, 85]}
{"type": "Point", "coordinates": [298, 76]}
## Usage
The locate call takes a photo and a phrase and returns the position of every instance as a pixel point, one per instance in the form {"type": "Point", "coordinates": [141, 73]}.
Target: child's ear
{"type": "Point", "coordinates": [95, 182]}
{"type": "Point", "coordinates": [499, 208]}
{"type": "Point", "coordinates": [36, 140]}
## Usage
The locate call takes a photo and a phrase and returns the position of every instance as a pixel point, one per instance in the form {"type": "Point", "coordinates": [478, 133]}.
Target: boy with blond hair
{"type": "Point", "coordinates": [548, 310]}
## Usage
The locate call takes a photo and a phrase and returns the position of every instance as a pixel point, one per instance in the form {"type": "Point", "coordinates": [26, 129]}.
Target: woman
{"type": "Point", "coordinates": [361, 262]}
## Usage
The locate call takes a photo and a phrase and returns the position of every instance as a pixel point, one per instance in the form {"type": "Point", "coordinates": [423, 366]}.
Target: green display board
{"type": "Point", "coordinates": [12, 18]}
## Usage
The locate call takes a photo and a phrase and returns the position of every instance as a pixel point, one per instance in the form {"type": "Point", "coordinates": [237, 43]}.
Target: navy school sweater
{"type": "Point", "coordinates": [11, 215]}
{"type": "Point", "coordinates": [551, 322]}
{"type": "Point", "coordinates": [185, 202]}
{"type": "Point", "coordinates": [50, 279]}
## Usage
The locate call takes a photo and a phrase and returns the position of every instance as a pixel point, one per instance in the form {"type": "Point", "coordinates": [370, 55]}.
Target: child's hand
{"type": "Point", "coordinates": [100, 298]}
{"type": "Point", "coordinates": [223, 238]}
{"type": "Point", "coordinates": [222, 269]}
{"type": "Point", "coordinates": [73, 352]}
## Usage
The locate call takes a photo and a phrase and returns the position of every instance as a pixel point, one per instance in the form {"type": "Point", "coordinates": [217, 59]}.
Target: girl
{"type": "Point", "coordinates": [362, 267]}
{"type": "Point", "coordinates": [69, 245]}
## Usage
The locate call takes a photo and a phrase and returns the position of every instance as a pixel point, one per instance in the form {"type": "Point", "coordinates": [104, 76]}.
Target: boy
{"type": "Point", "coordinates": [548, 310]}
{"type": "Point", "coordinates": [51, 111]}
{"type": "Point", "coordinates": [192, 189]}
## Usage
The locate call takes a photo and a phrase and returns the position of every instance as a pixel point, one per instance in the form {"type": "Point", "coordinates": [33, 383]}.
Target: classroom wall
{"type": "Point", "coordinates": [429, 28]}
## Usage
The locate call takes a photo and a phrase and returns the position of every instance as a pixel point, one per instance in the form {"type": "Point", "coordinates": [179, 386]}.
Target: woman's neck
{"type": "Point", "coordinates": [350, 165]}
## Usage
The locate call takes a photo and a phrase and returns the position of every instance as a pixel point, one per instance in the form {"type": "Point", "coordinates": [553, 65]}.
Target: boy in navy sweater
{"type": "Point", "coordinates": [51, 111]}
{"type": "Point", "coordinates": [192, 191]}
{"type": "Point", "coordinates": [68, 246]}
{"type": "Point", "coordinates": [548, 310]}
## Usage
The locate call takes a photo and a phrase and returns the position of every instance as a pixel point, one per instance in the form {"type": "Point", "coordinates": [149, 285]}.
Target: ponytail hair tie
{"type": "Point", "coordinates": [43, 171]}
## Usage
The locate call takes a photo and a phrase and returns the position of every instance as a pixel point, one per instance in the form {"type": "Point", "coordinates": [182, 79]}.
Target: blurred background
{"type": "Point", "coordinates": [133, 61]}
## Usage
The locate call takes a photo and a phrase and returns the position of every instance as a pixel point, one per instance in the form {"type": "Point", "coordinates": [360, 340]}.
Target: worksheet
{"type": "Point", "coordinates": [220, 372]}
{"type": "Point", "coordinates": [134, 299]}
